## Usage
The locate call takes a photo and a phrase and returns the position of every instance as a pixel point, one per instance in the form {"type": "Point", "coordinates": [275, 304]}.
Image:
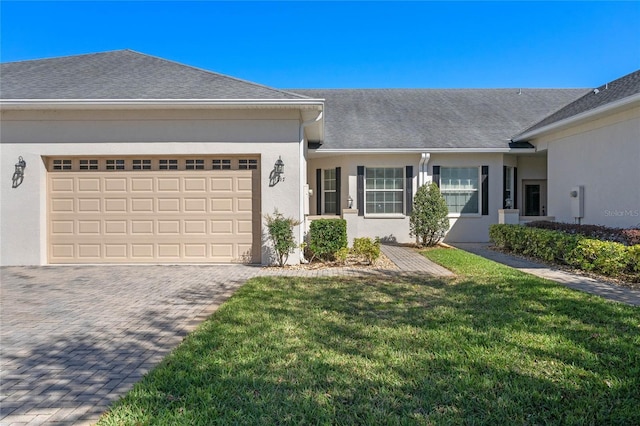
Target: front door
{"type": "Point", "coordinates": [532, 200]}
{"type": "Point", "coordinates": [535, 197]}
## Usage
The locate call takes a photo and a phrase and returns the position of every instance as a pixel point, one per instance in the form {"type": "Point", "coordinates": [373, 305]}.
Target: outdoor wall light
{"type": "Point", "coordinates": [277, 174]}
{"type": "Point", "coordinates": [18, 175]}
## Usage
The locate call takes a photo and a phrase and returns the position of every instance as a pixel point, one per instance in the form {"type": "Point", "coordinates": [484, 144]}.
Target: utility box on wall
{"type": "Point", "coordinates": [577, 202]}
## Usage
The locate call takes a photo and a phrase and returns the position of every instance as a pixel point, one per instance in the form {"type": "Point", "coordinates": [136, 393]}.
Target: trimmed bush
{"type": "Point", "coordinates": [604, 257]}
{"type": "Point", "coordinates": [366, 249]}
{"type": "Point", "coordinates": [627, 237]}
{"type": "Point", "coordinates": [428, 221]}
{"type": "Point", "coordinates": [326, 237]}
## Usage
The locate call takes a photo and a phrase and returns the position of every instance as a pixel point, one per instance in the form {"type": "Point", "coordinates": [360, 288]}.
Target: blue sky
{"type": "Point", "coordinates": [346, 44]}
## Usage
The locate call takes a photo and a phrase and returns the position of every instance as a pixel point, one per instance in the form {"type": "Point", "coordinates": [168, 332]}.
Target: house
{"type": "Point", "coordinates": [137, 159]}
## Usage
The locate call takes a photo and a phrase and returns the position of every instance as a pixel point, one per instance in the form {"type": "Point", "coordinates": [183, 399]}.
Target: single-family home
{"type": "Point", "coordinates": [122, 157]}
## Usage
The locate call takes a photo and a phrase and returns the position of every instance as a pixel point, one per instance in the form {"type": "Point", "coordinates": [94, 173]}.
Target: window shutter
{"type": "Point", "coordinates": [515, 187]}
{"type": "Point", "coordinates": [318, 192]}
{"type": "Point", "coordinates": [504, 187]}
{"type": "Point", "coordinates": [436, 175]}
{"type": "Point", "coordinates": [485, 190]}
{"type": "Point", "coordinates": [338, 184]}
{"type": "Point", "coordinates": [408, 188]}
{"type": "Point", "coordinates": [360, 190]}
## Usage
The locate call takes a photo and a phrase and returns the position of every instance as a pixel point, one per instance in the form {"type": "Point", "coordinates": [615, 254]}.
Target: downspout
{"type": "Point", "coordinates": [303, 179]}
{"type": "Point", "coordinates": [422, 167]}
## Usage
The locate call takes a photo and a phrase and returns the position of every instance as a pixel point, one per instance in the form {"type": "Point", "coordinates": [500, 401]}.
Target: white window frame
{"type": "Point", "coordinates": [478, 190]}
{"type": "Point", "coordinates": [401, 190]}
{"type": "Point", "coordinates": [325, 190]}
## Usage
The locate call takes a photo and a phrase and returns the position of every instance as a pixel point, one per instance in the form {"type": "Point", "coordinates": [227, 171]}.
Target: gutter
{"type": "Point", "coordinates": [153, 103]}
{"type": "Point", "coordinates": [610, 107]}
{"type": "Point", "coordinates": [423, 168]}
{"type": "Point", "coordinates": [303, 179]}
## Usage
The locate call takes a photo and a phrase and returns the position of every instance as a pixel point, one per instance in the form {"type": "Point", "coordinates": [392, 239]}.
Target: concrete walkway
{"type": "Point", "coordinates": [577, 282]}
{"type": "Point", "coordinates": [75, 338]}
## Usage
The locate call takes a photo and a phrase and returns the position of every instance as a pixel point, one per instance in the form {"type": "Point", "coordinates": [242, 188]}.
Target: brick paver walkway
{"type": "Point", "coordinates": [74, 338]}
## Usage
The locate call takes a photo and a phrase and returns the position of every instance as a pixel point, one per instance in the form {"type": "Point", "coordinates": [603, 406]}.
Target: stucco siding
{"type": "Point", "coordinates": [35, 136]}
{"type": "Point", "coordinates": [604, 159]}
{"type": "Point", "coordinates": [464, 228]}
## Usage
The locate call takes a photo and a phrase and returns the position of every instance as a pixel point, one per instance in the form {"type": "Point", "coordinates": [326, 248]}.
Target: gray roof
{"type": "Point", "coordinates": [433, 118]}
{"type": "Point", "coordinates": [123, 74]}
{"type": "Point", "coordinates": [607, 93]}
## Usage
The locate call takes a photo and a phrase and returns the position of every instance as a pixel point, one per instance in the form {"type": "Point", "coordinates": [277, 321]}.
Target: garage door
{"type": "Point", "coordinates": [152, 216]}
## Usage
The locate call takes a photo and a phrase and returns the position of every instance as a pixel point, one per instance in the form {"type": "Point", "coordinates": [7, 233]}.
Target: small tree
{"type": "Point", "coordinates": [281, 234]}
{"type": "Point", "coordinates": [428, 221]}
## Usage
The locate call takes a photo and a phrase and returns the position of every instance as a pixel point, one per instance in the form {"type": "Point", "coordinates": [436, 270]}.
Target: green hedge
{"type": "Point", "coordinates": [326, 237]}
{"type": "Point", "coordinates": [604, 257]}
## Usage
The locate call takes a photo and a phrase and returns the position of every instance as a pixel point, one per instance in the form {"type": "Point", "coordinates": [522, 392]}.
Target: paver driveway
{"type": "Point", "coordinates": [74, 338]}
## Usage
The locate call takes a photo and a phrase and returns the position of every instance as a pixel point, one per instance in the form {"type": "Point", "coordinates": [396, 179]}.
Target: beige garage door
{"type": "Point", "coordinates": [152, 216]}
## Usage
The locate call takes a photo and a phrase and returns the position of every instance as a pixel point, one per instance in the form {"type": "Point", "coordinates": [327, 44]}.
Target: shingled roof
{"type": "Point", "coordinates": [123, 74]}
{"type": "Point", "coordinates": [433, 118]}
{"type": "Point", "coordinates": [608, 93]}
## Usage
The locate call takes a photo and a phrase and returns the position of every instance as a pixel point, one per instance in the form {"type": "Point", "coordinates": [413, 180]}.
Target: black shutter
{"type": "Point", "coordinates": [505, 183]}
{"type": "Point", "coordinates": [409, 190]}
{"type": "Point", "coordinates": [436, 175]}
{"type": "Point", "coordinates": [360, 190]}
{"type": "Point", "coordinates": [515, 188]}
{"type": "Point", "coordinates": [318, 192]}
{"type": "Point", "coordinates": [485, 190]}
{"type": "Point", "coordinates": [338, 184]}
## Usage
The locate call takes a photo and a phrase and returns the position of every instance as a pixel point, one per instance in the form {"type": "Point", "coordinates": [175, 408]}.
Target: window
{"type": "Point", "coordinates": [195, 164]}
{"type": "Point", "coordinates": [459, 186]}
{"type": "Point", "coordinates": [329, 191]}
{"type": "Point", "coordinates": [61, 164]}
{"type": "Point", "coordinates": [508, 188]}
{"type": "Point", "coordinates": [245, 164]}
{"type": "Point", "coordinates": [384, 190]}
{"type": "Point", "coordinates": [221, 164]}
{"type": "Point", "coordinates": [141, 164]}
{"type": "Point", "coordinates": [115, 164]}
{"type": "Point", "coordinates": [88, 164]}
{"type": "Point", "coordinates": [168, 165]}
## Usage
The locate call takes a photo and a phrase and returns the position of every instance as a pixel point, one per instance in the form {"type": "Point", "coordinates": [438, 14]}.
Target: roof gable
{"type": "Point", "coordinates": [124, 74]}
{"type": "Point", "coordinates": [608, 93]}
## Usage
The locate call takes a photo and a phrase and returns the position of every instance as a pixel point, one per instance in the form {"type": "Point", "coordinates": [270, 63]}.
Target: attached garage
{"type": "Point", "coordinates": [153, 210]}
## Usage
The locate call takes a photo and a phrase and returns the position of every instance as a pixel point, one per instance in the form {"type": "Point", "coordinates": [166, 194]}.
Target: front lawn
{"type": "Point", "coordinates": [493, 346]}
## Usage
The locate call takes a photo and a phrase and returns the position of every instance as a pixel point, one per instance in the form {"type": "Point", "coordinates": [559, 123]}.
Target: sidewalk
{"type": "Point", "coordinates": [577, 282]}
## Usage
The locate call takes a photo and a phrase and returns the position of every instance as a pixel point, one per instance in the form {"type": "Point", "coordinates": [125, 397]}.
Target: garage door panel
{"type": "Point", "coordinates": [113, 184]}
{"type": "Point", "coordinates": [168, 184]}
{"type": "Point", "coordinates": [141, 184]}
{"type": "Point", "coordinates": [89, 185]}
{"type": "Point", "coordinates": [161, 216]}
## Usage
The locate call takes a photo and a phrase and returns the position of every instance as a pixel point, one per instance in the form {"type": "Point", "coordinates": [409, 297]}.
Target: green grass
{"type": "Point", "coordinates": [492, 346]}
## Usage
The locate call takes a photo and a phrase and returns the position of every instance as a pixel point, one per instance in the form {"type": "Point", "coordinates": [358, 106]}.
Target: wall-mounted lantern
{"type": "Point", "coordinates": [277, 174]}
{"type": "Point", "coordinates": [18, 174]}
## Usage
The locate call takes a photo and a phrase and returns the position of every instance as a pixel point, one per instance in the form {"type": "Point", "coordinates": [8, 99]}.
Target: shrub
{"type": "Point", "coordinates": [428, 221]}
{"type": "Point", "coordinates": [628, 237]}
{"type": "Point", "coordinates": [326, 237]}
{"type": "Point", "coordinates": [281, 234]}
{"type": "Point", "coordinates": [634, 258]}
{"type": "Point", "coordinates": [367, 249]}
{"type": "Point", "coordinates": [605, 257]}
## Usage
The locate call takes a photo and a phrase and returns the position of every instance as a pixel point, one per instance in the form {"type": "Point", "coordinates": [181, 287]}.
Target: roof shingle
{"type": "Point", "coordinates": [123, 74]}
{"type": "Point", "coordinates": [433, 118]}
